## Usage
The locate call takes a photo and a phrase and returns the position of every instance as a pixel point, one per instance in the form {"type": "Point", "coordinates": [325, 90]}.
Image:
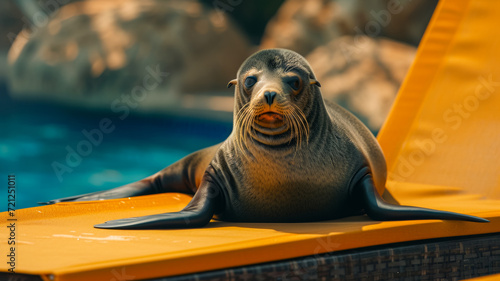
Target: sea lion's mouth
{"type": "Point", "coordinates": [270, 117]}
{"type": "Point", "coordinates": [270, 120]}
{"type": "Point", "coordinates": [270, 123]}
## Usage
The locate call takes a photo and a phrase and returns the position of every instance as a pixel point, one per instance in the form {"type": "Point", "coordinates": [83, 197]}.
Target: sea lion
{"type": "Point", "coordinates": [291, 157]}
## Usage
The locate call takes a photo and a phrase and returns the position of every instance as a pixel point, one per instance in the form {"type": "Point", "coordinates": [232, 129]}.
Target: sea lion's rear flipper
{"type": "Point", "coordinates": [378, 209]}
{"type": "Point", "coordinates": [179, 177]}
{"type": "Point", "coordinates": [129, 190]}
{"type": "Point", "coordinates": [197, 213]}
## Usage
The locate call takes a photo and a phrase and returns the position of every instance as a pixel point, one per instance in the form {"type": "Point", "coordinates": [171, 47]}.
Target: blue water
{"type": "Point", "coordinates": [34, 136]}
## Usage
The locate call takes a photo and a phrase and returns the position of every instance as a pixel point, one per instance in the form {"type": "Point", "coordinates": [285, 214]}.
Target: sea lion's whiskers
{"type": "Point", "coordinates": [244, 115]}
{"type": "Point", "coordinates": [297, 121]}
{"type": "Point", "coordinates": [300, 129]}
{"type": "Point", "coordinates": [287, 121]}
{"type": "Point", "coordinates": [249, 119]}
{"type": "Point", "coordinates": [295, 128]}
{"type": "Point", "coordinates": [303, 120]}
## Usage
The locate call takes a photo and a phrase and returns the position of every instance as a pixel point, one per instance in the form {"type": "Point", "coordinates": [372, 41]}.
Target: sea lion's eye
{"type": "Point", "coordinates": [250, 81]}
{"type": "Point", "coordinates": [294, 82]}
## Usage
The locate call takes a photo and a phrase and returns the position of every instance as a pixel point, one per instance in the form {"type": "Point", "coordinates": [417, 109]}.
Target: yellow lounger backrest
{"type": "Point", "coordinates": [444, 128]}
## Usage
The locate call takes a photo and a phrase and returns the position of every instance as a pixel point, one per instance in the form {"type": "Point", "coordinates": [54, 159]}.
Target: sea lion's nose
{"type": "Point", "coordinates": [269, 97]}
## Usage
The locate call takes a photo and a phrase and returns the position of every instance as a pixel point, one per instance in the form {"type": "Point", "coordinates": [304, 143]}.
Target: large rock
{"type": "Point", "coordinates": [303, 25]}
{"type": "Point", "coordinates": [362, 74]}
{"type": "Point", "coordinates": [93, 53]}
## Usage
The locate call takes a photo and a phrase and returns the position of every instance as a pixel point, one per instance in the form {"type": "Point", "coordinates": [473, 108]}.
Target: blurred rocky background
{"type": "Point", "coordinates": [176, 57]}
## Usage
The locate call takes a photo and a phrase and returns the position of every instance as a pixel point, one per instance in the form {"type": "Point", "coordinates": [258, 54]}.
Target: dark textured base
{"type": "Point", "coordinates": [439, 259]}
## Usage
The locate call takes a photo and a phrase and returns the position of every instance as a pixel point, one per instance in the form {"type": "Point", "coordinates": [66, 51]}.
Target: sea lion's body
{"type": "Point", "coordinates": [309, 184]}
{"type": "Point", "coordinates": [291, 157]}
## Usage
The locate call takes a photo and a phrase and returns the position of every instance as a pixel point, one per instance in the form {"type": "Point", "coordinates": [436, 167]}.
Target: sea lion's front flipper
{"type": "Point", "coordinates": [197, 213]}
{"type": "Point", "coordinates": [376, 208]}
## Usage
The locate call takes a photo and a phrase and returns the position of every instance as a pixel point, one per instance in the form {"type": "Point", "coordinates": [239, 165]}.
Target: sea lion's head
{"type": "Point", "coordinates": [275, 93]}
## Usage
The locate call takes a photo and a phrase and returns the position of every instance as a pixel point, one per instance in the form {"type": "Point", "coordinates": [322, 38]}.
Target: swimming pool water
{"type": "Point", "coordinates": [35, 136]}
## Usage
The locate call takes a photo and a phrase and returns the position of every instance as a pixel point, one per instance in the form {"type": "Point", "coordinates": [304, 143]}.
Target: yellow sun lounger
{"type": "Point", "coordinates": [442, 144]}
